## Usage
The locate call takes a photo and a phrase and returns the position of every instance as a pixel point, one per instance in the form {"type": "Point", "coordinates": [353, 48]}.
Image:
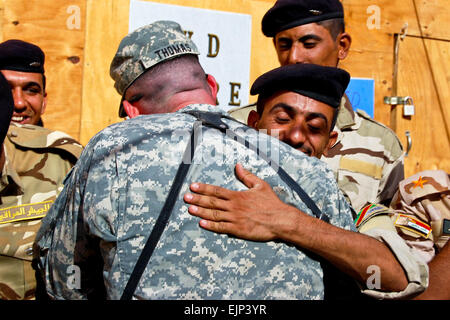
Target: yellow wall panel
{"type": "Point", "coordinates": [430, 141]}
{"type": "Point", "coordinates": [434, 16]}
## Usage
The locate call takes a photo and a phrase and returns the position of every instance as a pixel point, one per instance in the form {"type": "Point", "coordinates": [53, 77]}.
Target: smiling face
{"type": "Point", "coordinates": [311, 43]}
{"type": "Point", "coordinates": [29, 96]}
{"type": "Point", "coordinates": [301, 122]}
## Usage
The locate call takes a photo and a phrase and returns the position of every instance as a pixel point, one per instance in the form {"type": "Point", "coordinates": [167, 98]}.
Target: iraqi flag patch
{"type": "Point", "coordinates": [412, 224]}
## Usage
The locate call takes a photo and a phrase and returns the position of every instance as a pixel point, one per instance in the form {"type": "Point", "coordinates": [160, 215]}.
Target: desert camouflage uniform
{"type": "Point", "coordinates": [419, 213]}
{"type": "Point", "coordinates": [422, 211]}
{"type": "Point", "coordinates": [117, 189]}
{"type": "Point", "coordinates": [367, 157]}
{"type": "Point", "coordinates": [37, 160]}
{"type": "Point", "coordinates": [416, 271]}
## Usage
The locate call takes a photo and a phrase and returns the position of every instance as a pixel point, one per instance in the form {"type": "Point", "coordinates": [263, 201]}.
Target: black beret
{"type": "Point", "coordinates": [286, 14]}
{"type": "Point", "coordinates": [324, 84]}
{"type": "Point", "coordinates": [6, 107]}
{"type": "Point", "coordinates": [22, 56]}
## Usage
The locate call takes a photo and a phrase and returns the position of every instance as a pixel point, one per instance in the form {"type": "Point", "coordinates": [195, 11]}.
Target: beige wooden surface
{"type": "Point", "coordinates": [82, 100]}
{"type": "Point", "coordinates": [428, 129]}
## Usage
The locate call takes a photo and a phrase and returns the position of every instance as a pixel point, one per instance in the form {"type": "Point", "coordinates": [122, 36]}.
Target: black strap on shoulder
{"type": "Point", "coordinates": [213, 120]}
{"type": "Point", "coordinates": [162, 220]}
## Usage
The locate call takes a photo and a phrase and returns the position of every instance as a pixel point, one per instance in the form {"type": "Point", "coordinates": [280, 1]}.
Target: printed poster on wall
{"type": "Point", "coordinates": [223, 39]}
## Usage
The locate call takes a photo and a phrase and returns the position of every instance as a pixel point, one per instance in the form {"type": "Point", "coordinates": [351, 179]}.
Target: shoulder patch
{"type": "Point", "coordinates": [412, 224]}
{"type": "Point", "coordinates": [369, 211]}
{"type": "Point", "coordinates": [25, 212]}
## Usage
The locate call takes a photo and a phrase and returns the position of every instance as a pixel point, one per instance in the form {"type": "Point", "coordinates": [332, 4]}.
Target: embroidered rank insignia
{"type": "Point", "coordinates": [412, 224]}
{"type": "Point", "coordinates": [368, 211]}
{"type": "Point", "coordinates": [25, 212]}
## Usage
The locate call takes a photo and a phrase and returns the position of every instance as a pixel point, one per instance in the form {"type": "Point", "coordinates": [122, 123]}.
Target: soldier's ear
{"type": "Point", "coordinates": [44, 103]}
{"type": "Point", "coordinates": [253, 118]}
{"type": "Point", "coordinates": [212, 83]}
{"type": "Point", "coordinates": [344, 41]}
{"type": "Point", "coordinates": [132, 111]}
{"type": "Point", "coordinates": [331, 141]}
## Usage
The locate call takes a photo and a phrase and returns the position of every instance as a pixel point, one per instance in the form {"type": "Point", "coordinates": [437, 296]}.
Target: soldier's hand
{"type": "Point", "coordinates": [256, 214]}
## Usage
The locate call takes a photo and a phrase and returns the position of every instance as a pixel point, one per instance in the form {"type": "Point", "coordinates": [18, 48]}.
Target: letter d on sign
{"type": "Point", "coordinates": [74, 280]}
{"type": "Point", "coordinates": [212, 37]}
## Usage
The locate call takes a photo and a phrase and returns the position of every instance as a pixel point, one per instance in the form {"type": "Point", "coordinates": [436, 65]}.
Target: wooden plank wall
{"type": "Point", "coordinates": [58, 27]}
{"type": "Point", "coordinates": [80, 38]}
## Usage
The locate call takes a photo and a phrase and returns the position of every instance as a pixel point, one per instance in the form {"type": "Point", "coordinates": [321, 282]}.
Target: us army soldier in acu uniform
{"type": "Point", "coordinates": [34, 163]}
{"type": "Point", "coordinates": [121, 190]}
{"type": "Point", "coordinates": [367, 157]}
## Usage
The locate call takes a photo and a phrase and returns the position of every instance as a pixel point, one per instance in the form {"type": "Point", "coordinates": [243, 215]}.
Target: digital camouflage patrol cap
{"type": "Point", "coordinates": [286, 14]}
{"type": "Point", "coordinates": [144, 48]}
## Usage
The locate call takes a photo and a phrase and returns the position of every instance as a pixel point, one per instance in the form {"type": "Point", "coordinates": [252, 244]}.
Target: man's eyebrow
{"type": "Point", "coordinates": [282, 105]}
{"type": "Point", "coordinates": [310, 36]}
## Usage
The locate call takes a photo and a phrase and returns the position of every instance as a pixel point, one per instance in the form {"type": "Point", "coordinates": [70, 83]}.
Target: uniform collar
{"type": "Point", "coordinates": [346, 115]}
{"type": "Point", "coordinates": [347, 119]}
{"type": "Point", "coordinates": [203, 107]}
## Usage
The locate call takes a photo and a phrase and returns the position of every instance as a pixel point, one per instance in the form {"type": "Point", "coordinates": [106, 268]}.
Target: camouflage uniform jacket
{"type": "Point", "coordinates": [356, 133]}
{"type": "Point", "coordinates": [37, 160]}
{"type": "Point", "coordinates": [367, 158]}
{"type": "Point", "coordinates": [103, 217]}
{"type": "Point", "coordinates": [422, 211]}
{"type": "Point", "coordinates": [419, 213]}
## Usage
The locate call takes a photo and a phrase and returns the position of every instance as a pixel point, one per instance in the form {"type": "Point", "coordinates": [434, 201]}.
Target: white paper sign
{"type": "Point", "coordinates": [223, 39]}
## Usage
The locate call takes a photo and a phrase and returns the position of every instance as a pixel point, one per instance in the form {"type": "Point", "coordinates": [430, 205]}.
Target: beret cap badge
{"type": "Point", "coordinates": [315, 12]}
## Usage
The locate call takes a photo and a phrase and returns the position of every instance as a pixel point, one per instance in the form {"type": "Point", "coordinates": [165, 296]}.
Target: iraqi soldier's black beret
{"type": "Point", "coordinates": [324, 84]}
{"type": "Point", "coordinates": [22, 56]}
{"type": "Point", "coordinates": [286, 14]}
{"type": "Point", "coordinates": [6, 107]}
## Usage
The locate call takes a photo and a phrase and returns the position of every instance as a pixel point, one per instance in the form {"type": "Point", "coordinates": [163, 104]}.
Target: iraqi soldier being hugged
{"type": "Point", "coordinates": [34, 163]}
{"type": "Point", "coordinates": [295, 105]}
{"type": "Point", "coordinates": [367, 157]}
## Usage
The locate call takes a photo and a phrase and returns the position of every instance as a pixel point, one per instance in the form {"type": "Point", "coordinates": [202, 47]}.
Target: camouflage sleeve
{"type": "Point", "coordinates": [374, 220]}
{"type": "Point", "coordinates": [415, 268]}
{"type": "Point", "coordinates": [65, 250]}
